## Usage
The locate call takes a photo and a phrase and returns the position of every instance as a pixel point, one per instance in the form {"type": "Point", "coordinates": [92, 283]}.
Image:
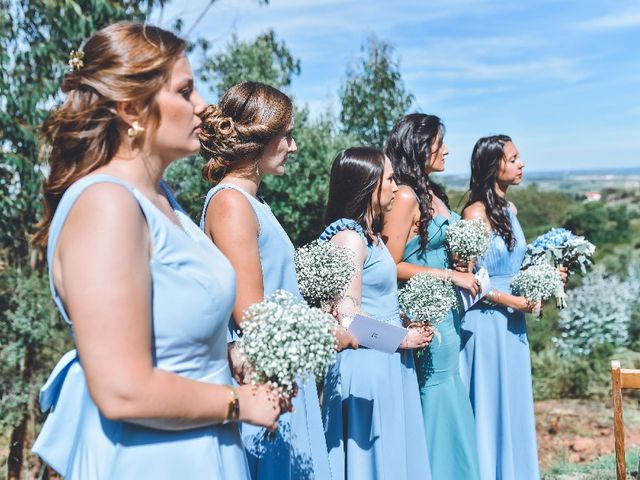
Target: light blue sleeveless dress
{"type": "Point", "coordinates": [299, 450]}
{"type": "Point", "coordinates": [448, 418]}
{"type": "Point", "coordinates": [371, 410]}
{"type": "Point", "coordinates": [496, 368]}
{"type": "Point", "coordinates": [193, 292]}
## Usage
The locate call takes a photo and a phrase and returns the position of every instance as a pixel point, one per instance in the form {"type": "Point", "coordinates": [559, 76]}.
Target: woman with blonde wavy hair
{"type": "Point", "coordinates": [245, 138]}
{"type": "Point", "coordinates": [147, 393]}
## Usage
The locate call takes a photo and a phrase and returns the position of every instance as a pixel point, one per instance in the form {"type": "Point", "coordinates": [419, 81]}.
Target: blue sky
{"type": "Point", "coordinates": [562, 77]}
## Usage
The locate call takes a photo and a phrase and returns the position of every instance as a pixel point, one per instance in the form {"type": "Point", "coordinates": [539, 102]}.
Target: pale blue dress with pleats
{"type": "Point", "coordinates": [193, 292]}
{"type": "Point", "coordinates": [371, 410]}
{"type": "Point", "coordinates": [448, 418]}
{"type": "Point", "coordinates": [496, 368]}
{"type": "Point", "coordinates": [299, 451]}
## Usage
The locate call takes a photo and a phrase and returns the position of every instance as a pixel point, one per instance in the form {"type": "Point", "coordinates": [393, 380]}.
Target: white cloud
{"type": "Point", "coordinates": [616, 21]}
{"type": "Point", "coordinates": [562, 69]}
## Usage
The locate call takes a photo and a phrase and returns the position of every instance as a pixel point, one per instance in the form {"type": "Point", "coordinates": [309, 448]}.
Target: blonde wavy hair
{"type": "Point", "coordinates": [124, 62]}
{"type": "Point", "coordinates": [235, 131]}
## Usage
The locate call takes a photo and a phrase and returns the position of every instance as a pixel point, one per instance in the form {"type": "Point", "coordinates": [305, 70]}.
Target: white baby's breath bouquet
{"type": "Point", "coordinates": [284, 339]}
{"type": "Point", "coordinates": [468, 239]}
{"type": "Point", "coordinates": [427, 299]}
{"type": "Point", "coordinates": [324, 271]}
{"type": "Point", "coordinates": [538, 283]}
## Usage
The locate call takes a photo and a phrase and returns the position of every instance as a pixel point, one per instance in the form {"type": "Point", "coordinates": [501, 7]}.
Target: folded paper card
{"type": "Point", "coordinates": [377, 335]}
{"type": "Point", "coordinates": [485, 285]}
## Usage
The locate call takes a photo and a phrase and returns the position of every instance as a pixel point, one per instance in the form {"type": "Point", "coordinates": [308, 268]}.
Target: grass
{"type": "Point", "coordinates": [603, 468]}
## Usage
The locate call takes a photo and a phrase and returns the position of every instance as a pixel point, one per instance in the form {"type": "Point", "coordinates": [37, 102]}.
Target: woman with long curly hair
{"type": "Point", "coordinates": [415, 232]}
{"type": "Point", "coordinates": [147, 393]}
{"type": "Point", "coordinates": [495, 363]}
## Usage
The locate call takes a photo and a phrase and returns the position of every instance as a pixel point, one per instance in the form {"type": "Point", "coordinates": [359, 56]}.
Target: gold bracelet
{"type": "Point", "coordinates": [447, 275]}
{"type": "Point", "coordinates": [233, 406]}
{"type": "Point", "coordinates": [492, 297]}
{"type": "Point", "coordinates": [497, 294]}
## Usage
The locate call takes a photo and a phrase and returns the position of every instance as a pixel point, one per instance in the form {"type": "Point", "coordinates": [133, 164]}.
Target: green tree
{"type": "Point", "coordinates": [602, 225]}
{"type": "Point", "coordinates": [373, 96]}
{"type": "Point", "coordinates": [619, 224]}
{"type": "Point", "coordinates": [539, 210]}
{"type": "Point", "coordinates": [265, 59]}
{"type": "Point", "coordinates": [588, 219]}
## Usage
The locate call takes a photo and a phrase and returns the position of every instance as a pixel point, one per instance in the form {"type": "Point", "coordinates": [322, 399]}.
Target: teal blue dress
{"type": "Point", "coordinates": [193, 292]}
{"type": "Point", "coordinates": [299, 451]}
{"type": "Point", "coordinates": [496, 368]}
{"type": "Point", "coordinates": [371, 408]}
{"type": "Point", "coordinates": [447, 413]}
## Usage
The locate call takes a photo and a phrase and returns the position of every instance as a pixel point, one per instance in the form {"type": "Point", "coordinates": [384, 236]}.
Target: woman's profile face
{"type": "Point", "coordinates": [387, 189]}
{"type": "Point", "coordinates": [179, 105]}
{"type": "Point", "coordinates": [439, 150]}
{"type": "Point", "coordinates": [511, 165]}
{"type": "Point", "coordinates": [274, 156]}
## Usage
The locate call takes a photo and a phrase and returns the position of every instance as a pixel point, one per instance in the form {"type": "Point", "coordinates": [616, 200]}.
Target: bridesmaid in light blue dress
{"type": "Point", "coordinates": [415, 233]}
{"type": "Point", "coordinates": [371, 406]}
{"type": "Point", "coordinates": [241, 224]}
{"type": "Point", "coordinates": [148, 392]}
{"type": "Point", "coordinates": [495, 362]}
{"type": "Point", "coordinates": [189, 336]}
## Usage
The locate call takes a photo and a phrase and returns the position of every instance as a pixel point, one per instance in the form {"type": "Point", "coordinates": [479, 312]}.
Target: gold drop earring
{"type": "Point", "coordinates": [135, 129]}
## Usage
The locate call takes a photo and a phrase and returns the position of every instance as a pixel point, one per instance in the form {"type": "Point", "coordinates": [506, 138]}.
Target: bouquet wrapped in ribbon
{"type": "Point", "coordinates": [427, 299]}
{"type": "Point", "coordinates": [560, 247]}
{"type": "Point", "coordinates": [285, 339]}
{"type": "Point", "coordinates": [467, 240]}
{"type": "Point", "coordinates": [324, 271]}
{"type": "Point", "coordinates": [538, 283]}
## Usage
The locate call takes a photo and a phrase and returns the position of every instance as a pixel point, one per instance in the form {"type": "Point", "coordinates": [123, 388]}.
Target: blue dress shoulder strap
{"type": "Point", "coordinates": [342, 224]}
{"type": "Point", "coordinates": [228, 186]}
{"type": "Point", "coordinates": [67, 202]}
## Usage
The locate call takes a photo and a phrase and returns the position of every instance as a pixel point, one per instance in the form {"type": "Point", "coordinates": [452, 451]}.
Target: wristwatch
{"type": "Point", "coordinates": [233, 407]}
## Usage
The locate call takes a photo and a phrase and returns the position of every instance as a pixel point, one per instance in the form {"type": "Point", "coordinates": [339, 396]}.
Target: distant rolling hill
{"type": "Point", "coordinates": [575, 181]}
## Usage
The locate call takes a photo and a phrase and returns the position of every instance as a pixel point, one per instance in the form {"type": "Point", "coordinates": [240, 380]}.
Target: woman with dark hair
{"type": "Point", "coordinates": [245, 138]}
{"type": "Point", "coordinates": [371, 400]}
{"type": "Point", "coordinates": [495, 363]}
{"type": "Point", "coordinates": [147, 393]}
{"type": "Point", "coordinates": [415, 231]}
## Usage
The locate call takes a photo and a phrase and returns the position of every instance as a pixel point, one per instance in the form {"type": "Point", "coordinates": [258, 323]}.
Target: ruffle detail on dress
{"type": "Point", "coordinates": [341, 225]}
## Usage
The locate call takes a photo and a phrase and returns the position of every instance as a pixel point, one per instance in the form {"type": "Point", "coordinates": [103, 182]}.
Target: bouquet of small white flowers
{"type": "Point", "coordinates": [468, 239]}
{"type": "Point", "coordinates": [427, 299]}
{"type": "Point", "coordinates": [538, 283]}
{"type": "Point", "coordinates": [324, 271]}
{"type": "Point", "coordinates": [284, 339]}
{"type": "Point", "coordinates": [560, 247]}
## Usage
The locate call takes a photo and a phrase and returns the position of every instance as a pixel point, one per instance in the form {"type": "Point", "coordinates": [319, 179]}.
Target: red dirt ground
{"type": "Point", "coordinates": [581, 430]}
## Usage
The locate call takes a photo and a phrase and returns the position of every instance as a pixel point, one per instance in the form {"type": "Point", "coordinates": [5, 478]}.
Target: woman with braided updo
{"type": "Point", "coordinates": [147, 393]}
{"type": "Point", "coordinates": [245, 138]}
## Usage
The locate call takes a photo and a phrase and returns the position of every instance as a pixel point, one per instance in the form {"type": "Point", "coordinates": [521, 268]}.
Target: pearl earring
{"type": "Point", "coordinates": [135, 129]}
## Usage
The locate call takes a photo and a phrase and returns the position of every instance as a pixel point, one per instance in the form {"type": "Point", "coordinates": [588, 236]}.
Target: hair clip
{"type": "Point", "coordinates": [76, 60]}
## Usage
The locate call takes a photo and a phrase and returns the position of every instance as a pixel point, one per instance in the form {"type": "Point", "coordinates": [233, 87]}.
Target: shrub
{"type": "Point", "coordinates": [598, 312]}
